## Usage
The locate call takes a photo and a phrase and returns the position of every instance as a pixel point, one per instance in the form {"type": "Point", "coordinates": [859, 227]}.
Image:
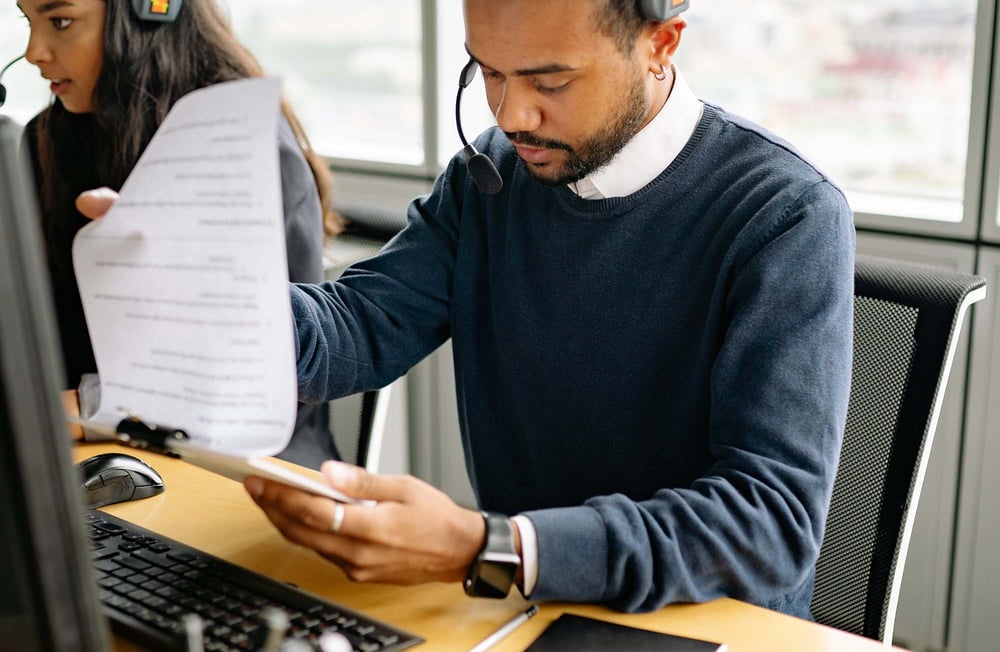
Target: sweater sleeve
{"type": "Point", "coordinates": [384, 314]}
{"type": "Point", "coordinates": [750, 527]}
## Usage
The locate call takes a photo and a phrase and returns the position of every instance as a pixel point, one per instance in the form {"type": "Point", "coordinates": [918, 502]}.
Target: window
{"type": "Point", "coordinates": [878, 94]}
{"type": "Point", "coordinates": [27, 92]}
{"type": "Point", "coordinates": [355, 78]}
{"type": "Point", "coordinates": [352, 71]}
{"type": "Point", "coordinates": [451, 57]}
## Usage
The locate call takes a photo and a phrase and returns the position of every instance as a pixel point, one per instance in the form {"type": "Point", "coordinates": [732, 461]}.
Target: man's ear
{"type": "Point", "coordinates": [662, 41]}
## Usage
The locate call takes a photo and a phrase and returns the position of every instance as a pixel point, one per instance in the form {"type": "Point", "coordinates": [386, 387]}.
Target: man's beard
{"type": "Point", "coordinates": [598, 150]}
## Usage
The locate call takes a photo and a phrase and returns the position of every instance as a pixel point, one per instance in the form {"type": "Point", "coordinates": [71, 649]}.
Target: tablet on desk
{"type": "Point", "coordinates": [238, 468]}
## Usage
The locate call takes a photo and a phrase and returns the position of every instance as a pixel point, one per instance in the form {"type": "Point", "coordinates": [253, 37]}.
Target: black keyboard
{"type": "Point", "coordinates": [147, 583]}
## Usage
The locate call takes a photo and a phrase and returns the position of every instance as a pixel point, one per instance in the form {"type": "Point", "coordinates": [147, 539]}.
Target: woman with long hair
{"type": "Point", "coordinates": [114, 75]}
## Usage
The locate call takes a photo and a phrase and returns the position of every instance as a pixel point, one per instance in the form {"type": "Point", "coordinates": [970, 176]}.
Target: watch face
{"type": "Point", "coordinates": [498, 575]}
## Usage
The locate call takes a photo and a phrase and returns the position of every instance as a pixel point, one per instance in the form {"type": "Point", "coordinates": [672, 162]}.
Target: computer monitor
{"type": "Point", "coordinates": [48, 599]}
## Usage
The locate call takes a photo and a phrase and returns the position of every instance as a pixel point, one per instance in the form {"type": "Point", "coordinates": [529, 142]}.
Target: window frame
{"type": "Point", "coordinates": [988, 58]}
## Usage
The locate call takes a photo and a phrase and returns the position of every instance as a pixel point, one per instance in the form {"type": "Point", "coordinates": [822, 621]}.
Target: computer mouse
{"type": "Point", "coordinates": [116, 477]}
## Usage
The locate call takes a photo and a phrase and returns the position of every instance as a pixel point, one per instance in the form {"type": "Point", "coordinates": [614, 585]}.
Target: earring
{"type": "Point", "coordinates": [662, 75]}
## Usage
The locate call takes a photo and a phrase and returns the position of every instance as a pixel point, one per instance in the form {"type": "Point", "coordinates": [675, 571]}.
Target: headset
{"type": "Point", "coordinates": [661, 10]}
{"type": "Point", "coordinates": [484, 174]}
{"type": "Point", "coordinates": [3, 89]}
{"type": "Point", "coordinates": [157, 11]}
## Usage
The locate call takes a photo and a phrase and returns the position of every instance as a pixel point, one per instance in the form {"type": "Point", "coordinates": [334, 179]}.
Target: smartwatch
{"type": "Point", "coordinates": [494, 568]}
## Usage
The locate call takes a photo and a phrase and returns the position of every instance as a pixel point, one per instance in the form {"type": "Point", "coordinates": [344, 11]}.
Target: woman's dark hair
{"type": "Point", "coordinates": [147, 67]}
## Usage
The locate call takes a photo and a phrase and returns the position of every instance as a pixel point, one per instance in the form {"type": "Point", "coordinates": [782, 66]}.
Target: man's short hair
{"type": "Point", "coordinates": [621, 20]}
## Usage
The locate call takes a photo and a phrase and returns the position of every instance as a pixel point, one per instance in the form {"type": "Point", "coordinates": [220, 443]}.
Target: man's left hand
{"type": "Point", "coordinates": [413, 534]}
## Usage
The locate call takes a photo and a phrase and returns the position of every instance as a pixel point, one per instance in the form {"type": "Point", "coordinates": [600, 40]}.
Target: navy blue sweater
{"type": "Point", "coordinates": [659, 381]}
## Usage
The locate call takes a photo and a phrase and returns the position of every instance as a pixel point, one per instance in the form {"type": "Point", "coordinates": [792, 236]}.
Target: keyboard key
{"type": "Point", "coordinates": [178, 555]}
{"type": "Point", "coordinates": [109, 528]}
{"type": "Point", "coordinates": [108, 582]}
{"type": "Point", "coordinates": [134, 563]}
{"type": "Point", "coordinates": [386, 639]}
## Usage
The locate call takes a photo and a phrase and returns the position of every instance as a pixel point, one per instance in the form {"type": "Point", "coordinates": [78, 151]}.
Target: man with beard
{"type": "Point", "coordinates": [651, 325]}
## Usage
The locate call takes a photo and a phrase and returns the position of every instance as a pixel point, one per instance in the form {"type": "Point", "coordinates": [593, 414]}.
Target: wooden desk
{"type": "Point", "coordinates": [216, 515]}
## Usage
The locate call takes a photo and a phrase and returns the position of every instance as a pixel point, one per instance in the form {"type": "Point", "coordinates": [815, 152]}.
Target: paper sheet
{"type": "Point", "coordinates": [185, 281]}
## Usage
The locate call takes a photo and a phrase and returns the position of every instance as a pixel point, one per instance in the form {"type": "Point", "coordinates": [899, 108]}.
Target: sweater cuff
{"type": "Point", "coordinates": [572, 554]}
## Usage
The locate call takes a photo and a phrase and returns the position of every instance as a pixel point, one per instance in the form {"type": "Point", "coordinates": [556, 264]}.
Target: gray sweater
{"type": "Point", "coordinates": [659, 381]}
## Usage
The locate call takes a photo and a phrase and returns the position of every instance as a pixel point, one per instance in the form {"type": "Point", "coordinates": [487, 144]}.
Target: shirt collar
{"type": "Point", "coordinates": [650, 151]}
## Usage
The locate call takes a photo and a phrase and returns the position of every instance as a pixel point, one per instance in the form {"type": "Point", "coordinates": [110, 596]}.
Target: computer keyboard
{"type": "Point", "coordinates": [147, 583]}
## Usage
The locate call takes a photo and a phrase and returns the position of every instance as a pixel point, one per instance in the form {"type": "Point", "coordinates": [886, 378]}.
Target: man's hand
{"type": "Point", "coordinates": [95, 203]}
{"type": "Point", "coordinates": [414, 534]}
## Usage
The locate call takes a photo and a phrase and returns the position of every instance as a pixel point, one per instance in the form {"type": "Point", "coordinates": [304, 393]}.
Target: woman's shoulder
{"type": "Point", "coordinates": [286, 136]}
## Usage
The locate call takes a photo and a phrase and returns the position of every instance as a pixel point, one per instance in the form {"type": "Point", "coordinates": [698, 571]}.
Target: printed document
{"type": "Point", "coordinates": [185, 281]}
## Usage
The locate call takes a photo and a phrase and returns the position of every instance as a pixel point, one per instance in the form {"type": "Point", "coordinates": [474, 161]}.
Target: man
{"type": "Point", "coordinates": [651, 325]}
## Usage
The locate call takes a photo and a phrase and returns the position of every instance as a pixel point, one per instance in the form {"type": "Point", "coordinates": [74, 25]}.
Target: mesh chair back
{"type": "Point", "coordinates": [907, 319]}
{"type": "Point", "coordinates": [358, 421]}
{"type": "Point", "coordinates": [367, 230]}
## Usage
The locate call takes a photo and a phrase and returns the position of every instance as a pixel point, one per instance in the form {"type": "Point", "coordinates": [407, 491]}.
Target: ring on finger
{"type": "Point", "coordinates": [338, 517]}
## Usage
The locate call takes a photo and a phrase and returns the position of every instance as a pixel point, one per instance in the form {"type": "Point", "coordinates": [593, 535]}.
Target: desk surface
{"type": "Point", "coordinates": [216, 515]}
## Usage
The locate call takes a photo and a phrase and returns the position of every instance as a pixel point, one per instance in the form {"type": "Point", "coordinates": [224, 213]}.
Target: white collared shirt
{"type": "Point", "coordinates": [641, 160]}
{"type": "Point", "coordinates": [650, 151]}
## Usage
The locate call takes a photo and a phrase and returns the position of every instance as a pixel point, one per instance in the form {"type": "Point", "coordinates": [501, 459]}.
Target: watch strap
{"type": "Point", "coordinates": [493, 570]}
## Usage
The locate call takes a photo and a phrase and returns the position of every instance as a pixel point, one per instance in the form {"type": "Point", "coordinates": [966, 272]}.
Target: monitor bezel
{"type": "Point", "coordinates": [61, 607]}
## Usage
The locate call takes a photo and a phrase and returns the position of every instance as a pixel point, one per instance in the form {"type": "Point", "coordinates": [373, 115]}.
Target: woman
{"type": "Point", "coordinates": [114, 76]}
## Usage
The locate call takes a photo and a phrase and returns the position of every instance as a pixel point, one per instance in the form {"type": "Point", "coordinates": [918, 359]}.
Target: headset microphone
{"type": "Point", "coordinates": [480, 167]}
{"type": "Point", "coordinates": [3, 89]}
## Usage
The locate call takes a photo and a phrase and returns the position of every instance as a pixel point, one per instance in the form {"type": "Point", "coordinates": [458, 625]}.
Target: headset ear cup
{"type": "Point", "coordinates": [662, 10]}
{"type": "Point", "coordinates": [157, 11]}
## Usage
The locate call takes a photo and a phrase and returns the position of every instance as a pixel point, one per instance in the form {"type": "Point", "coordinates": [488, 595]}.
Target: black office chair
{"type": "Point", "coordinates": [358, 421]}
{"type": "Point", "coordinates": [907, 319]}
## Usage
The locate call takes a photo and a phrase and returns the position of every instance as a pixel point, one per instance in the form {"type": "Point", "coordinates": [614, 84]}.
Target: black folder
{"type": "Point", "coordinates": [581, 634]}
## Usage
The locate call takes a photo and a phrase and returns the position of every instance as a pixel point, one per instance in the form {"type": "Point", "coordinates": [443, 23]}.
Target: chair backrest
{"type": "Point", "coordinates": [358, 422]}
{"type": "Point", "coordinates": [367, 230]}
{"type": "Point", "coordinates": [907, 319]}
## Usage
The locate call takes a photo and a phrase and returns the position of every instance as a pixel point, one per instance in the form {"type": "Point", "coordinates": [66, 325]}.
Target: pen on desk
{"type": "Point", "coordinates": [507, 628]}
